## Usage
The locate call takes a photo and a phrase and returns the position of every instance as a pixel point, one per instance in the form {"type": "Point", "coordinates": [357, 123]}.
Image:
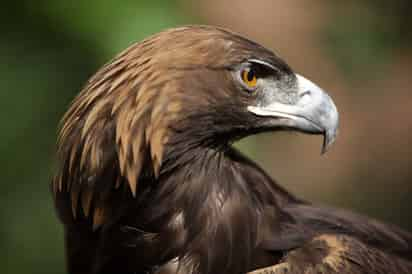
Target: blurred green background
{"type": "Point", "coordinates": [358, 50]}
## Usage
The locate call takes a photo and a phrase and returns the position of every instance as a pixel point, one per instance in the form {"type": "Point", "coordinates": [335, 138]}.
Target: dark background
{"type": "Point", "coordinates": [358, 50]}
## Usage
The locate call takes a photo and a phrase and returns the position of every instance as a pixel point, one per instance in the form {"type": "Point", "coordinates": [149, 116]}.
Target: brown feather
{"type": "Point", "coordinates": [118, 182]}
{"type": "Point", "coordinates": [86, 198]}
{"type": "Point", "coordinates": [75, 194]}
{"type": "Point", "coordinates": [99, 216]}
{"type": "Point", "coordinates": [331, 254]}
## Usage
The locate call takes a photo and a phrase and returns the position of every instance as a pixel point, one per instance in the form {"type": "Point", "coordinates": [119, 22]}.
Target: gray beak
{"type": "Point", "coordinates": [313, 112]}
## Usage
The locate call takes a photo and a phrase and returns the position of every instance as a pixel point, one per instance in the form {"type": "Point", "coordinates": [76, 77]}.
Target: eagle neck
{"type": "Point", "coordinates": [216, 208]}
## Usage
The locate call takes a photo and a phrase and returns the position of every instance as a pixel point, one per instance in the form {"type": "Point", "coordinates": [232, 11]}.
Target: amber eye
{"type": "Point", "coordinates": [249, 78]}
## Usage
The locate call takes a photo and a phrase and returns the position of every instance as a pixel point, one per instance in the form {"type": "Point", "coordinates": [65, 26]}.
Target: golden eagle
{"type": "Point", "coordinates": [148, 182]}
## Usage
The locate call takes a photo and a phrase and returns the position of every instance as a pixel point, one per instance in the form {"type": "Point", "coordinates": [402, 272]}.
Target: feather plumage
{"type": "Point", "coordinates": [147, 181]}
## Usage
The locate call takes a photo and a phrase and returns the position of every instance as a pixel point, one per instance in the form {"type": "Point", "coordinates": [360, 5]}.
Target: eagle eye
{"type": "Point", "coordinates": [249, 77]}
{"type": "Point", "coordinates": [252, 71]}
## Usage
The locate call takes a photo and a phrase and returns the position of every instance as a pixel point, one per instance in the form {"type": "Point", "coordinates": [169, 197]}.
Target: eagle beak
{"type": "Point", "coordinates": [314, 112]}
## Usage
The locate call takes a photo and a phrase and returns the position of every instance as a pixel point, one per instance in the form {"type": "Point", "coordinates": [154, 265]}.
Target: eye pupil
{"type": "Point", "coordinates": [250, 75]}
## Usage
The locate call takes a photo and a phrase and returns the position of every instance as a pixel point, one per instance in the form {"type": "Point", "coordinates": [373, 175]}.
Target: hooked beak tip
{"type": "Point", "coordinates": [329, 138]}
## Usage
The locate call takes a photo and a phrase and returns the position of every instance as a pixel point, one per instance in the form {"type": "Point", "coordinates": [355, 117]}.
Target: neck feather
{"type": "Point", "coordinates": [213, 200]}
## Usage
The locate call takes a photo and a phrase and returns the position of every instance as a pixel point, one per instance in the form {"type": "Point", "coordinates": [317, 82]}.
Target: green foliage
{"type": "Point", "coordinates": [366, 34]}
{"type": "Point", "coordinates": [113, 25]}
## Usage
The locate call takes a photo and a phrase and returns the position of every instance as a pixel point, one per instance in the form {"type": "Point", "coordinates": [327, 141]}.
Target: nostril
{"type": "Point", "coordinates": [307, 92]}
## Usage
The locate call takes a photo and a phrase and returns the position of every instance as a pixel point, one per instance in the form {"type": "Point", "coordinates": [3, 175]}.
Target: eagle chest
{"type": "Point", "coordinates": [218, 234]}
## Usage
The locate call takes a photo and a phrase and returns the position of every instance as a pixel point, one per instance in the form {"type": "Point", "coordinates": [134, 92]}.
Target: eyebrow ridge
{"type": "Point", "coordinates": [264, 63]}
